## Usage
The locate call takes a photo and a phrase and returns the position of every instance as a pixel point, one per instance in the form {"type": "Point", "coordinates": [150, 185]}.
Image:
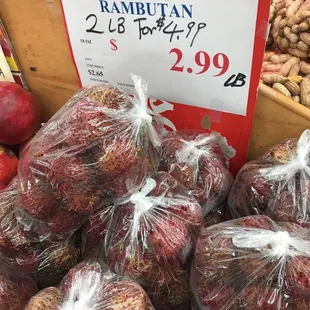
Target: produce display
{"type": "Point", "coordinates": [100, 181]}
{"type": "Point", "coordinates": [99, 147]}
{"type": "Point", "coordinates": [252, 263]}
{"type": "Point", "coordinates": [200, 162]}
{"type": "Point", "coordinates": [8, 166]}
{"type": "Point", "coordinates": [286, 68]}
{"type": "Point", "coordinates": [148, 237]}
{"type": "Point", "coordinates": [277, 184]}
{"type": "Point", "coordinates": [20, 114]}
{"type": "Point", "coordinates": [16, 287]}
{"type": "Point", "coordinates": [91, 285]}
{"type": "Point", "coordinates": [288, 75]}
{"type": "Point", "coordinates": [290, 28]}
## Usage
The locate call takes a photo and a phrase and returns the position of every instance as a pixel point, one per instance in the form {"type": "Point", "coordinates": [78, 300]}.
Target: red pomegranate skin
{"type": "Point", "coordinates": [20, 114]}
{"type": "Point", "coordinates": [8, 166]}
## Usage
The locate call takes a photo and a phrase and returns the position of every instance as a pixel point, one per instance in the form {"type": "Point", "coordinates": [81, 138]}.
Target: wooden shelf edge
{"type": "Point", "coordinates": [285, 101]}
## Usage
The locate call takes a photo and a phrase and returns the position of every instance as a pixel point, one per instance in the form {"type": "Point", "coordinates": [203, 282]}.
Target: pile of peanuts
{"type": "Point", "coordinates": [288, 75]}
{"type": "Point", "coordinates": [290, 29]}
{"type": "Point", "coordinates": [286, 68]}
{"type": "Point", "coordinates": [275, 6]}
{"type": "Point", "coordinates": [272, 16]}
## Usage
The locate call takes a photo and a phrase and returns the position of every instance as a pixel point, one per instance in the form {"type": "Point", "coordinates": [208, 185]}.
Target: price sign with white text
{"type": "Point", "coordinates": [193, 53]}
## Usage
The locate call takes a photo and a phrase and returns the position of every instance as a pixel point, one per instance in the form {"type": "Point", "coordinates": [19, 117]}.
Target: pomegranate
{"type": "Point", "coordinates": [8, 166]}
{"type": "Point", "coordinates": [20, 114]}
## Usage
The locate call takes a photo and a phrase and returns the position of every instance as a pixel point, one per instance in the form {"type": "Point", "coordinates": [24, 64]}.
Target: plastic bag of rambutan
{"type": "Point", "coordinates": [16, 287]}
{"type": "Point", "coordinates": [92, 286]}
{"type": "Point", "coordinates": [277, 184]}
{"type": "Point", "coordinates": [200, 162]}
{"type": "Point", "coordinates": [13, 235]}
{"type": "Point", "coordinates": [99, 147]}
{"type": "Point", "coordinates": [47, 262]}
{"type": "Point", "coordinates": [149, 237]}
{"type": "Point", "coordinates": [252, 263]}
{"type": "Point", "coordinates": [46, 258]}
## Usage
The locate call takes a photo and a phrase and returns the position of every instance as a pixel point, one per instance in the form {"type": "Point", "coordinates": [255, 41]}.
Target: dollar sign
{"type": "Point", "coordinates": [161, 22]}
{"type": "Point", "coordinates": [114, 47]}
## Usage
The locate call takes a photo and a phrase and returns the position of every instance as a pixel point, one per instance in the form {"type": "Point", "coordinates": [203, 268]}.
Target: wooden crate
{"type": "Point", "coordinates": [277, 118]}
{"type": "Point", "coordinates": [37, 30]}
{"type": "Point", "coordinates": [38, 33]}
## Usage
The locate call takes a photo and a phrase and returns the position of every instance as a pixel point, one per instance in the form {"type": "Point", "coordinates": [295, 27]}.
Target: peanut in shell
{"type": "Point", "coordinates": [278, 59]}
{"type": "Point", "coordinates": [295, 69]}
{"type": "Point", "coordinates": [305, 37]}
{"type": "Point", "coordinates": [298, 53]}
{"type": "Point", "coordinates": [305, 92]}
{"type": "Point", "coordinates": [304, 67]}
{"type": "Point", "coordinates": [292, 87]}
{"type": "Point", "coordinates": [273, 78]}
{"type": "Point", "coordinates": [282, 89]}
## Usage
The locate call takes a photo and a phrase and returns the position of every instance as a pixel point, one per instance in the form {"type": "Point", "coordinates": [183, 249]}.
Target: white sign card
{"type": "Point", "coordinates": [192, 52]}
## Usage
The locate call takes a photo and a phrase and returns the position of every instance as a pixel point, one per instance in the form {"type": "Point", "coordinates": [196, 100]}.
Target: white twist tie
{"type": "Point", "coordinates": [82, 294]}
{"type": "Point", "coordinates": [299, 162]}
{"type": "Point", "coordinates": [140, 113]}
{"type": "Point", "coordinates": [279, 244]}
{"type": "Point", "coordinates": [193, 150]}
{"type": "Point", "coordinates": [140, 200]}
{"type": "Point", "coordinates": [142, 204]}
{"type": "Point", "coordinates": [140, 110]}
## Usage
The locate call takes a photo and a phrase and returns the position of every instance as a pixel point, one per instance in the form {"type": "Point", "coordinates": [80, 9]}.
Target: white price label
{"type": "Point", "coordinates": [192, 52]}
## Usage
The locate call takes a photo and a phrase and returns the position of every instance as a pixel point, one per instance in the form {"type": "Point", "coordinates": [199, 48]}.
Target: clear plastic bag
{"type": "Point", "coordinates": [149, 237]}
{"type": "Point", "coordinates": [200, 162]}
{"type": "Point", "coordinates": [92, 286]}
{"type": "Point", "coordinates": [218, 215]}
{"type": "Point", "coordinates": [252, 263]}
{"type": "Point", "coordinates": [277, 184]}
{"type": "Point", "coordinates": [100, 146]}
{"type": "Point", "coordinates": [49, 261]}
{"type": "Point", "coordinates": [46, 260]}
{"type": "Point", "coordinates": [16, 287]}
{"type": "Point", "coordinates": [94, 233]}
{"type": "Point", "coordinates": [13, 235]}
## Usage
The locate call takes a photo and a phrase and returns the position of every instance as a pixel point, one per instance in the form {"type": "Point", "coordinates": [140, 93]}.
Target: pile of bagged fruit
{"type": "Point", "coordinates": [107, 213]}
